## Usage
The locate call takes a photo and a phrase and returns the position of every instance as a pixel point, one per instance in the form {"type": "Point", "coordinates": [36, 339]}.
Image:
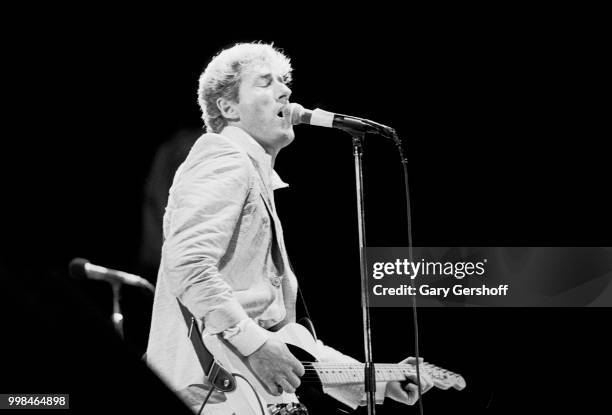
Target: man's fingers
{"type": "Point", "coordinates": [276, 367]}
{"type": "Point", "coordinates": [411, 388]}
{"type": "Point", "coordinates": [285, 385]}
{"type": "Point", "coordinates": [273, 388]}
{"type": "Point", "coordinates": [412, 393]}
{"type": "Point", "coordinates": [412, 360]}
{"type": "Point", "coordinates": [293, 380]}
{"type": "Point", "coordinates": [297, 366]}
{"type": "Point", "coordinates": [426, 382]}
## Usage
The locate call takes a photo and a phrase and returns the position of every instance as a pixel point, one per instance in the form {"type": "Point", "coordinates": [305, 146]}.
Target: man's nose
{"type": "Point", "coordinates": [284, 93]}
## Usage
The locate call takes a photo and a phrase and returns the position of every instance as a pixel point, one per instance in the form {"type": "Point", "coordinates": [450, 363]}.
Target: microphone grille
{"type": "Point", "coordinates": [77, 268]}
{"type": "Point", "coordinates": [294, 112]}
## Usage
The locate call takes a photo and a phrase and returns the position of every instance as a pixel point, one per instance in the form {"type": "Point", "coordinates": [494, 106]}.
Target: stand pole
{"type": "Point", "coordinates": [369, 374]}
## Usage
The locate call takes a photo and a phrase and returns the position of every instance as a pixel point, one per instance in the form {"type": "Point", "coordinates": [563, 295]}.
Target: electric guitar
{"type": "Point", "coordinates": [247, 400]}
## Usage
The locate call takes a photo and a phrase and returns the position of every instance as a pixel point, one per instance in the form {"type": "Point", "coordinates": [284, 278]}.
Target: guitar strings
{"type": "Point", "coordinates": [381, 366]}
{"type": "Point", "coordinates": [313, 371]}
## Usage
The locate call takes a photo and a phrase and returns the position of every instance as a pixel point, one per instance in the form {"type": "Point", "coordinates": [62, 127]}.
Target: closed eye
{"type": "Point", "coordinates": [265, 80]}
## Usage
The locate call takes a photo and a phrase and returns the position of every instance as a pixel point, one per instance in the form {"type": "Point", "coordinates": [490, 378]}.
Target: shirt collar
{"type": "Point", "coordinates": [256, 152]}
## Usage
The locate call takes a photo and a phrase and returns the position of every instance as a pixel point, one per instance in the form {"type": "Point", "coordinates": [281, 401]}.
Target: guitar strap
{"type": "Point", "coordinates": [214, 372]}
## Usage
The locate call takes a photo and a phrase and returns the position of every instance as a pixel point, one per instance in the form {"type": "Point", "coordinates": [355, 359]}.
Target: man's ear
{"type": "Point", "coordinates": [228, 109]}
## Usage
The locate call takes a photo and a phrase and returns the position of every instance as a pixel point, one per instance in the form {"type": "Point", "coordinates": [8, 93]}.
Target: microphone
{"type": "Point", "coordinates": [82, 268]}
{"type": "Point", "coordinates": [297, 114]}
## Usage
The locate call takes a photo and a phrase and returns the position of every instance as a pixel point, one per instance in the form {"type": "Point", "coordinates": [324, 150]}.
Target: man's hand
{"type": "Point", "coordinates": [410, 393]}
{"type": "Point", "coordinates": [276, 367]}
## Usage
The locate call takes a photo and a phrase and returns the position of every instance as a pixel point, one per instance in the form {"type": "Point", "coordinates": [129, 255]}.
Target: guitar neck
{"type": "Point", "coordinates": [353, 373]}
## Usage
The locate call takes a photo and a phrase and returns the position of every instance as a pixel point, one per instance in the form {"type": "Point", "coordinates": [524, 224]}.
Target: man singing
{"type": "Point", "coordinates": [224, 254]}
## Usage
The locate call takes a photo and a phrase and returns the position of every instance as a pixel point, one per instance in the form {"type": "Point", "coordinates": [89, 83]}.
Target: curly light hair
{"type": "Point", "coordinates": [222, 76]}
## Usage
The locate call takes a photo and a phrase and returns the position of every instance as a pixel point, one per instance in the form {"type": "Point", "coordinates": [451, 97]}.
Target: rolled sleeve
{"type": "Point", "coordinates": [207, 199]}
{"type": "Point", "coordinates": [246, 336]}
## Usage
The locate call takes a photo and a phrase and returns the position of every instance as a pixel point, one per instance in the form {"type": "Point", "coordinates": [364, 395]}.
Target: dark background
{"type": "Point", "coordinates": [505, 148]}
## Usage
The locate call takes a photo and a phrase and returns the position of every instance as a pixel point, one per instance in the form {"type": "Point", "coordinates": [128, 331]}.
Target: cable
{"type": "Point", "coordinates": [303, 302]}
{"type": "Point", "coordinates": [247, 381]}
{"type": "Point", "coordinates": [206, 399]}
{"type": "Point", "coordinates": [307, 318]}
{"type": "Point", "coordinates": [254, 391]}
{"type": "Point", "coordinates": [404, 161]}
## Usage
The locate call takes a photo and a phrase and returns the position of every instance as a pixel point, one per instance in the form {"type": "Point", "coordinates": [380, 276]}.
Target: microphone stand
{"type": "Point", "coordinates": [117, 316]}
{"type": "Point", "coordinates": [358, 128]}
{"type": "Point", "coordinates": [369, 372]}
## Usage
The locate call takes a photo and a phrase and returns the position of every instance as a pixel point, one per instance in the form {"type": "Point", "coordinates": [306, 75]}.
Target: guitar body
{"type": "Point", "coordinates": [243, 401]}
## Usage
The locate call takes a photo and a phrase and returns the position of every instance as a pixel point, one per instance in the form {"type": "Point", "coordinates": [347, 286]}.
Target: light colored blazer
{"type": "Point", "coordinates": [223, 255]}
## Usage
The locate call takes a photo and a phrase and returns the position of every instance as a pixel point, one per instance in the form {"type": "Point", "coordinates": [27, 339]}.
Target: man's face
{"type": "Point", "coordinates": [261, 98]}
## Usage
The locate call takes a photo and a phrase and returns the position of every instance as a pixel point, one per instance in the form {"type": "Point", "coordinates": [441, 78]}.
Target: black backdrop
{"type": "Point", "coordinates": [503, 146]}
